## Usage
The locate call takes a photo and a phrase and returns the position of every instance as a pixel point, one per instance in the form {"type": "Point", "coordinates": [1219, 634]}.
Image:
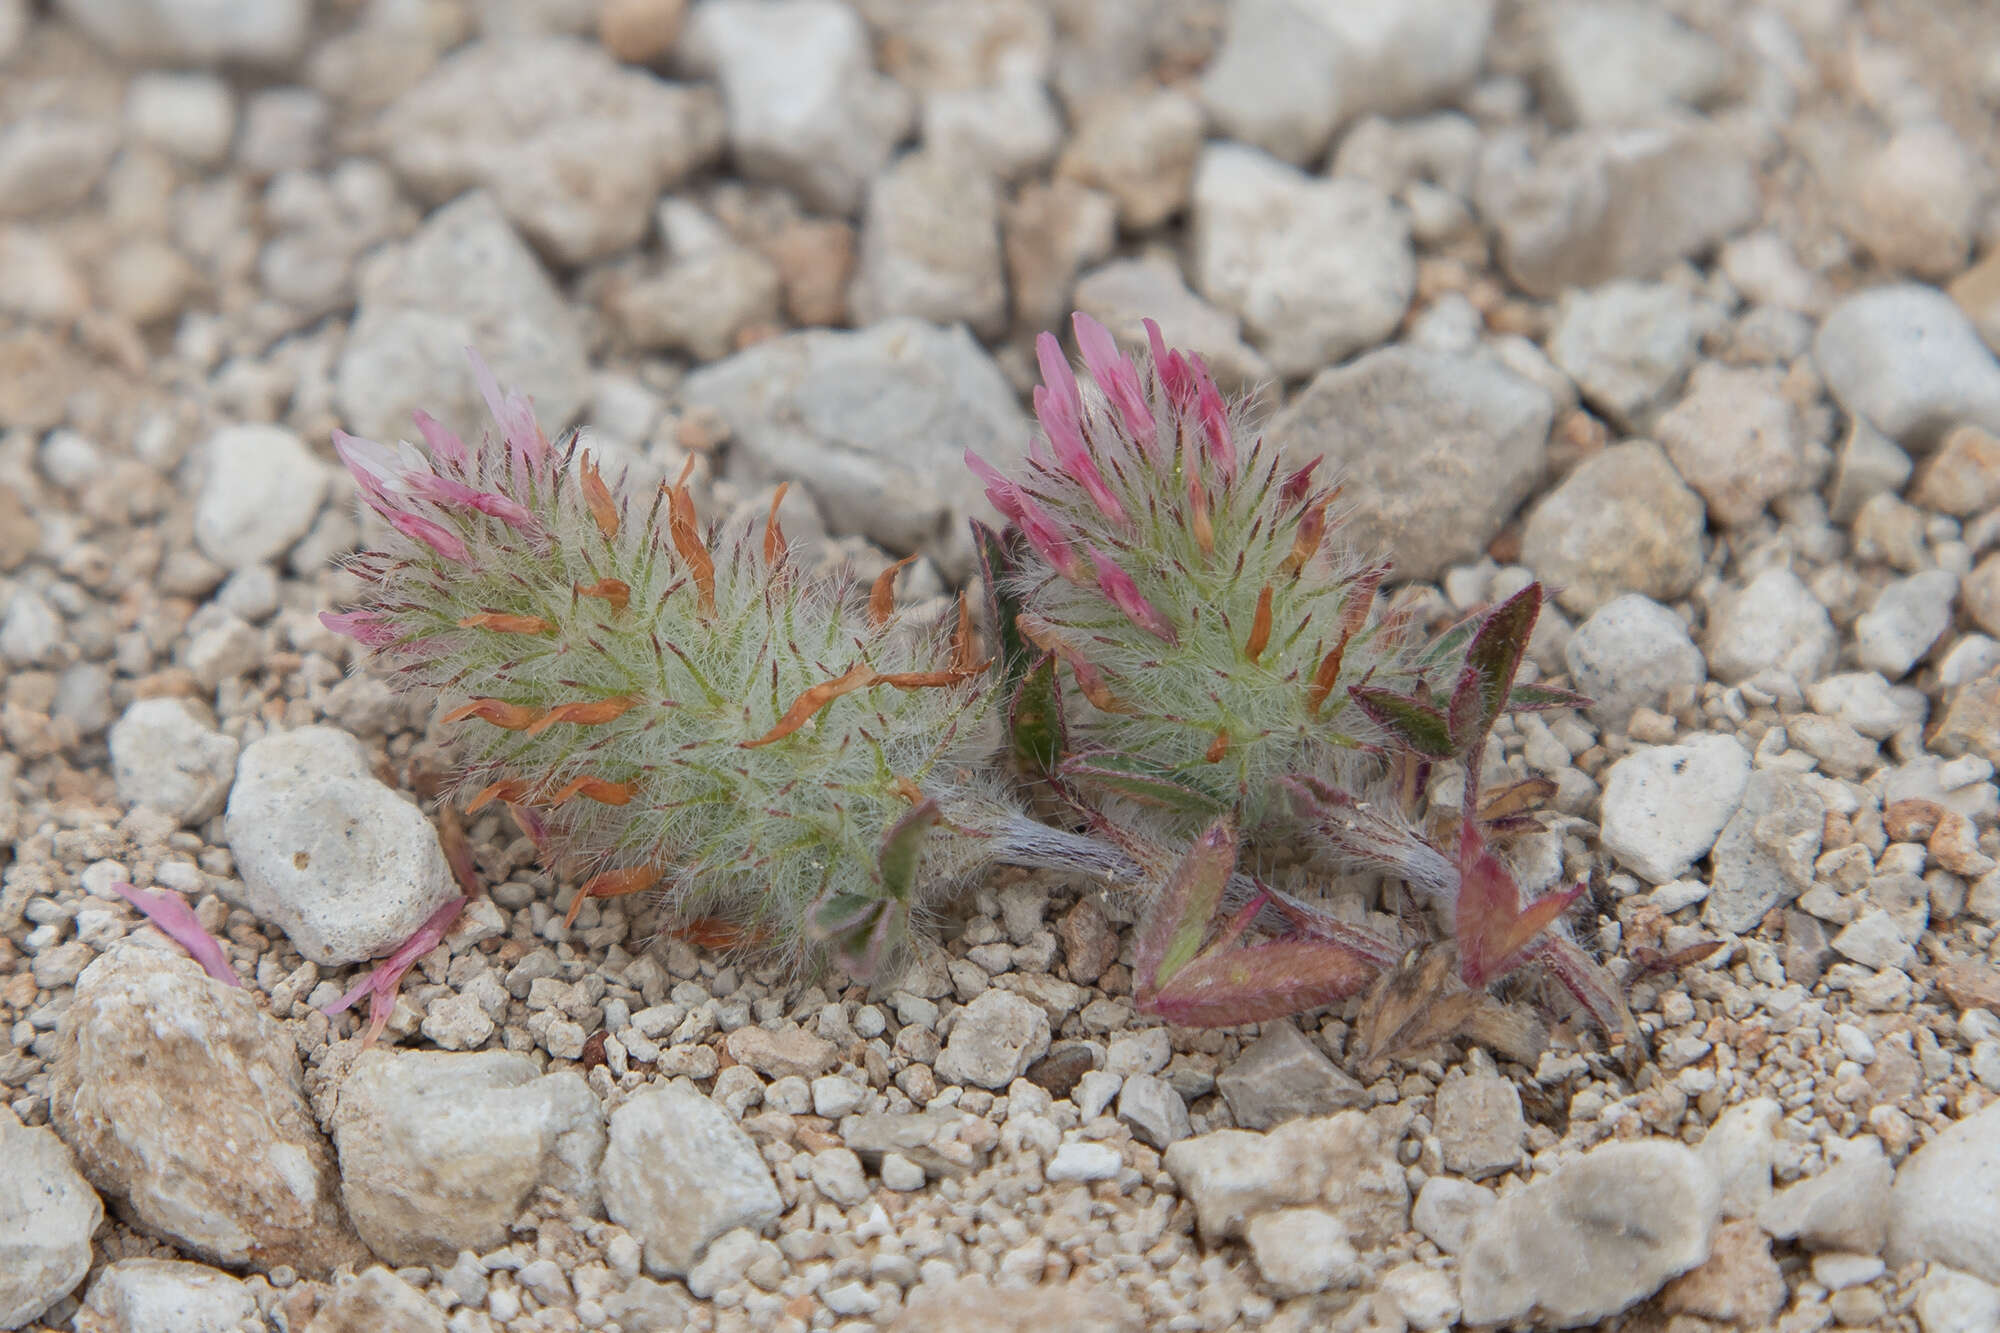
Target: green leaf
{"type": "Point", "coordinates": [903, 847]}
{"type": "Point", "coordinates": [1534, 698]}
{"type": "Point", "coordinates": [1178, 920]}
{"type": "Point", "coordinates": [1417, 726]}
{"type": "Point", "coordinates": [1448, 645]}
{"type": "Point", "coordinates": [1491, 660]}
{"type": "Point", "coordinates": [1036, 727]}
{"type": "Point", "coordinates": [1143, 781]}
{"type": "Point", "coordinates": [998, 557]}
{"type": "Point", "coordinates": [863, 931]}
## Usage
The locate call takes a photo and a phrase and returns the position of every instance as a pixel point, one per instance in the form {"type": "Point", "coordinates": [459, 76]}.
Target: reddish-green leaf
{"type": "Point", "coordinates": [1178, 920]}
{"type": "Point", "coordinates": [1036, 726]}
{"type": "Point", "coordinates": [1491, 661]}
{"type": "Point", "coordinates": [1418, 726]}
{"type": "Point", "coordinates": [1142, 781]}
{"type": "Point", "coordinates": [903, 848]}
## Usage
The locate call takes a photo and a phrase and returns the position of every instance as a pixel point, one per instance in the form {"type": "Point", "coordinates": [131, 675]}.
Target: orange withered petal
{"type": "Point", "coordinates": [963, 645]}
{"type": "Point", "coordinates": [506, 789]}
{"type": "Point", "coordinates": [602, 791]}
{"type": "Point", "coordinates": [714, 932]}
{"type": "Point", "coordinates": [1260, 626]}
{"type": "Point", "coordinates": [685, 533]}
{"type": "Point", "coordinates": [774, 535]}
{"type": "Point", "coordinates": [512, 717]}
{"type": "Point", "coordinates": [584, 713]}
{"type": "Point", "coordinates": [506, 624]}
{"type": "Point", "coordinates": [614, 591]}
{"type": "Point", "coordinates": [857, 677]}
{"type": "Point", "coordinates": [1088, 678]}
{"type": "Point", "coordinates": [1312, 528]}
{"type": "Point", "coordinates": [612, 884]}
{"type": "Point", "coordinates": [1217, 747]}
{"type": "Point", "coordinates": [882, 593]}
{"type": "Point", "coordinates": [598, 496]}
{"type": "Point", "coordinates": [908, 790]}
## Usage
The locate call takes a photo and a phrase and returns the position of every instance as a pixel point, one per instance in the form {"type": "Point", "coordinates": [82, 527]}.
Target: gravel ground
{"type": "Point", "coordinates": [1689, 309]}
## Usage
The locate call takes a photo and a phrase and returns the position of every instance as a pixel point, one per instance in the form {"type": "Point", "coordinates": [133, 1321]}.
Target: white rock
{"type": "Point", "coordinates": [1774, 621]}
{"type": "Point", "coordinates": [1300, 1251]}
{"type": "Point", "coordinates": [994, 1040]}
{"type": "Point", "coordinates": [201, 32]}
{"type": "Point", "coordinates": [284, 129]}
{"type": "Point", "coordinates": [440, 1152]}
{"type": "Point", "coordinates": [381, 1302]}
{"type": "Point", "coordinates": [1402, 56]}
{"type": "Point", "coordinates": [884, 412]}
{"type": "Point", "coordinates": [1764, 856]}
{"type": "Point", "coordinates": [47, 1215]}
{"type": "Point", "coordinates": [701, 303]}
{"type": "Point", "coordinates": [192, 116]}
{"type": "Point", "coordinates": [1628, 345]}
{"type": "Point", "coordinates": [1907, 359]}
{"type": "Point", "coordinates": [1317, 269]}
{"type": "Point", "coordinates": [1083, 1161]}
{"type": "Point", "coordinates": [31, 632]}
{"type": "Point", "coordinates": [1610, 203]}
{"type": "Point", "coordinates": [573, 146]}
{"type": "Point", "coordinates": [1914, 202]}
{"type": "Point", "coordinates": [1665, 805]}
{"type": "Point", "coordinates": [1006, 131]}
{"type": "Point", "coordinates": [170, 1296]}
{"type": "Point", "coordinates": [1737, 440]}
{"type": "Point", "coordinates": [1123, 294]}
{"type": "Point", "coordinates": [1945, 1206]}
{"type": "Point", "coordinates": [165, 755]}
{"type": "Point", "coordinates": [1952, 1302]}
{"type": "Point", "coordinates": [1274, 83]}
{"type": "Point", "coordinates": [1844, 1207]}
{"type": "Point", "coordinates": [464, 280]}
{"type": "Point", "coordinates": [261, 492]}
{"type": "Point", "coordinates": [1632, 652]}
{"type": "Point", "coordinates": [1447, 1209]}
{"type": "Point", "coordinates": [1621, 521]}
{"type": "Point", "coordinates": [1445, 448]}
{"type": "Point", "coordinates": [1140, 147]}
{"type": "Point", "coordinates": [1603, 1232]}
{"type": "Point", "coordinates": [728, 1256]}
{"type": "Point", "coordinates": [678, 1172]}
{"type": "Point", "coordinates": [806, 108]}
{"type": "Point", "coordinates": [1344, 1164]}
{"type": "Point", "coordinates": [930, 248]}
{"type": "Point", "coordinates": [834, 1096]}
{"type": "Point", "coordinates": [1154, 1110]}
{"type": "Point", "coordinates": [1909, 616]}
{"type": "Point", "coordinates": [1424, 1295]}
{"type": "Point", "coordinates": [1866, 701]}
{"type": "Point", "coordinates": [1621, 62]}
{"type": "Point", "coordinates": [341, 863]}
{"type": "Point", "coordinates": [185, 1100]}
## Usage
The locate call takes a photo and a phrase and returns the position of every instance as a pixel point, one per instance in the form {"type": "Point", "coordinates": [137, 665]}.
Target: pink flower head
{"type": "Point", "coordinates": [433, 534]}
{"type": "Point", "coordinates": [526, 444]}
{"type": "Point", "coordinates": [1125, 594]}
{"type": "Point", "coordinates": [1117, 377]}
{"type": "Point", "coordinates": [444, 444]}
{"type": "Point", "coordinates": [361, 626]}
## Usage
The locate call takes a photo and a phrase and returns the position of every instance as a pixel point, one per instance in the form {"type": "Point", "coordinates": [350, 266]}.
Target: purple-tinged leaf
{"type": "Point", "coordinates": [1491, 661]}
{"type": "Point", "coordinates": [903, 849]}
{"type": "Point", "coordinates": [1592, 986]}
{"type": "Point", "coordinates": [386, 977]}
{"type": "Point", "coordinates": [1257, 982]}
{"type": "Point", "coordinates": [176, 920]}
{"type": "Point", "coordinates": [1178, 920]}
{"type": "Point", "coordinates": [1418, 726]}
{"type": "Point", "coordinates": [863, 931]}
{"type": "Point", "coordinates": [1493, 926]}
{"type": "Point", "coordinates": [1538, 698]}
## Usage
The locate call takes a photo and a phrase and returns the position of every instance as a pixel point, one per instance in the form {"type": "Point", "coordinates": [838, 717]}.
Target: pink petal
{"type": "Point", "coordinates": [1004, 494]}
{"type": "Point", "coordinates": [515, 415]}
{"type": "Point", "coordinates": [386, 977]}
{"type": "Point", "coordinates": [374, 466]}
{"type": "Point", "coordinates": [176, 920]}
{"type": "Point", "coordinates": [1047, 540]}
{"type": "Point", "coordinates": [1176, 376]}
{"type": "Point", "coordinates": [435, 535]}
{"type": "Point", "coordinates": [363, 627]}
{"type": "Point", "coordinates": [1214, 415]}
{"type": "Point", "coordinates": [1117, 376]}
{"type": "Point", "coordinates": [445, 491]}
{"type": "Point", "coordinates": [1073, 456]}
{"type": "Point", "coordinates": [1058, 376]}
{"type": "Point", "coordinates": [1124, 593]}
{"type": "Point", "coordinates": [444, 444]}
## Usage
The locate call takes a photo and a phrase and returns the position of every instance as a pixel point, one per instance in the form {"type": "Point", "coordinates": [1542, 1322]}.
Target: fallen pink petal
{"type": "Point", "coordinates": [383, 980]}
{"type": "Point", "coordinates": [176, 920]}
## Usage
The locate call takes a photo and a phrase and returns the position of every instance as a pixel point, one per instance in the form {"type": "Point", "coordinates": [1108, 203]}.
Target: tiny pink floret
{"type": "Point", "coordinates": [444, 443]}
{"type": "Point", "coordinates": [360, 626]}
{"type": "Point", "coordinates": [1073, 455]}
{"type": "Point", "coordinates": [1125, 594]}
{"type": "Point", "coordinates": [1118, 378]}
{"type": "Point", "coordinates": [432, 534]}
{"type": "Point", "coordinates": [176, 920]}
{"type": "Point", "coordinates": [1176, 377]}
{"type": "Point", "coordinates": [515, 416]}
